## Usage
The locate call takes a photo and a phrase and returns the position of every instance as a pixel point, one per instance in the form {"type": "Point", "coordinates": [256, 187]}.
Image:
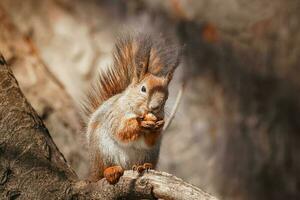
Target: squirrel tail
{"type": "Point", "coordinates": [133, 57]}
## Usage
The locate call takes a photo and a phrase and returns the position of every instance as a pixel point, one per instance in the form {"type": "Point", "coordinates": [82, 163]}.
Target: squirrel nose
{"type": "Point", "coordinates": [154, 107]}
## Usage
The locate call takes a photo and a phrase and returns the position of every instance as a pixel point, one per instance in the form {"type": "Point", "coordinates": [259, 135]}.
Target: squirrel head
{"type": "Point", "coordinates": [151, 65]}
{"type": "Point", "coordinates": [143, 66]}
{"type": "Point", "coordinates": [149, 95]}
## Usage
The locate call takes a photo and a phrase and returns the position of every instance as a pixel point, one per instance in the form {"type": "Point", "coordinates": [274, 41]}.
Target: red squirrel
{"type": "Point", "coordinates": [125, 107]}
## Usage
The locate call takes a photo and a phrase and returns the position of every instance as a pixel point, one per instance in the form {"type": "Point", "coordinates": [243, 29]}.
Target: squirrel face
{"type": "Point", "coordinates": [149, 95]}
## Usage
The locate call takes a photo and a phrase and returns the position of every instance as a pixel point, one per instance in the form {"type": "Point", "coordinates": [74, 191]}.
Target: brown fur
{"type": "Point", "coordinates": [155, 83]}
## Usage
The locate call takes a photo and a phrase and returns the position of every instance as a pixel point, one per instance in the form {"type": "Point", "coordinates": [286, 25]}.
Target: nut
{"type": "Point", "coordinates": [150, 117]}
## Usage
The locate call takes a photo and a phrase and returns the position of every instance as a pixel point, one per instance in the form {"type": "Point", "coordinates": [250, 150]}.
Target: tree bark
{"type": "Point", "coordinates": [32, 167]}
{"type": "Point", "coordinates": [40, 86]}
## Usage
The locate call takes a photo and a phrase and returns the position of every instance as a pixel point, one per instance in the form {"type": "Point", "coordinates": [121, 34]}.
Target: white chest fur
{"type": "Point", "coordinates": [125, 155]}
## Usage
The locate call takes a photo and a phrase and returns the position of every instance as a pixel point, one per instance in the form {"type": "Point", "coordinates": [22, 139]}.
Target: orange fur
{"type": "Point", "coordinates": [155, 83]}
{"type": "Point", "coordinates": [130, 132]}
{"type": "Point", "coordinates": [113, 174]}
{"type": "Point", "coordinates": [94, 125]}
{"type": "Point", "coordinates": [151, 138]}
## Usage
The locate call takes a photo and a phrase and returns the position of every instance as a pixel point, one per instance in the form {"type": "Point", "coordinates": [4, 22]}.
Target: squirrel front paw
{"type": "Point", "coordinates": [150, 122]}
{"type": "Point", "coordinates": [113, 174]}
{"type": "Point", "coordinates": [159, 124]}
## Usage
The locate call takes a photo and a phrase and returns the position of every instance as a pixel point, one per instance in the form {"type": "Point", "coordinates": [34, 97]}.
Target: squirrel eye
{"type": "Point", "coordinates": [143, 89]}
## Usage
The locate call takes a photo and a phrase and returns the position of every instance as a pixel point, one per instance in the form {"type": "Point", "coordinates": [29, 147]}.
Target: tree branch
{"type": "Point", "coordinates": [150, 185]}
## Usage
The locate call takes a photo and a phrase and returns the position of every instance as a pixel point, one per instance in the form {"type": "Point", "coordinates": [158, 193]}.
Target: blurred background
{"type": "Point", "coordinates": [236, 133]}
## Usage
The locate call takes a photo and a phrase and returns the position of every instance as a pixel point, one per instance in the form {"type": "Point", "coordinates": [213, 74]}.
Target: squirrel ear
{"type": "Point", "coordinates": [140, 71]}
{"type": "Point", "coordinates": [135, 80]}
{"type": "Point", "coordinates": [169, 76]}
{"type": "Point", "coordinates": [142, 66]}
{"type": "Point", "coordinates": [144, 69]}
{"type": "Point", "coordinates": [142, 59]}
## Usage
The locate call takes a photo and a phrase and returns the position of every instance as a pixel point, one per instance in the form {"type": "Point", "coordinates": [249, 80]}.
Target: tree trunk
{"type": "Point", "coordinates": [40, 86]}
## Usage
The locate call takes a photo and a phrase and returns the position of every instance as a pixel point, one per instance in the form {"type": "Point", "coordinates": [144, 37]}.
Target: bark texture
{"type": "Point", "coordinates": [31, 166]}
{"type": "Point", "coordinates": [40, 85]}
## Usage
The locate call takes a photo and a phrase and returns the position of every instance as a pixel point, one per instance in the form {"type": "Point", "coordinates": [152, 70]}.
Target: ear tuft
{"type": "Point", "coordinates": [142, 56]}
{"type": "Point", "coordinates": [170, 75]}
{"type": "Point", "coordinates": [2, 60]}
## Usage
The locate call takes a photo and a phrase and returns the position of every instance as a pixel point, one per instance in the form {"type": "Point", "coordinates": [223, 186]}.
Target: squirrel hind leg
{"type": "Point", "coordinates": [113, 174]}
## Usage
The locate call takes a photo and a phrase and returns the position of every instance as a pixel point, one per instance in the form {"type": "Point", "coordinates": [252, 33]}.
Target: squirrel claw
{"type": "Point", "coordinates": [159, 124]}
{"type": "Point", "coordinates": [134, 167]}
{"type": "Point", "coordinates": [113, 174]}
{"type": "Point", "coordinates": [148, 124]}
{"type": "Point", "coordinates": [142, 168]}
{"type": "Point", "coordinates": [147, 166]}
{"type": "Point", "coordinates": [138, 168]}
